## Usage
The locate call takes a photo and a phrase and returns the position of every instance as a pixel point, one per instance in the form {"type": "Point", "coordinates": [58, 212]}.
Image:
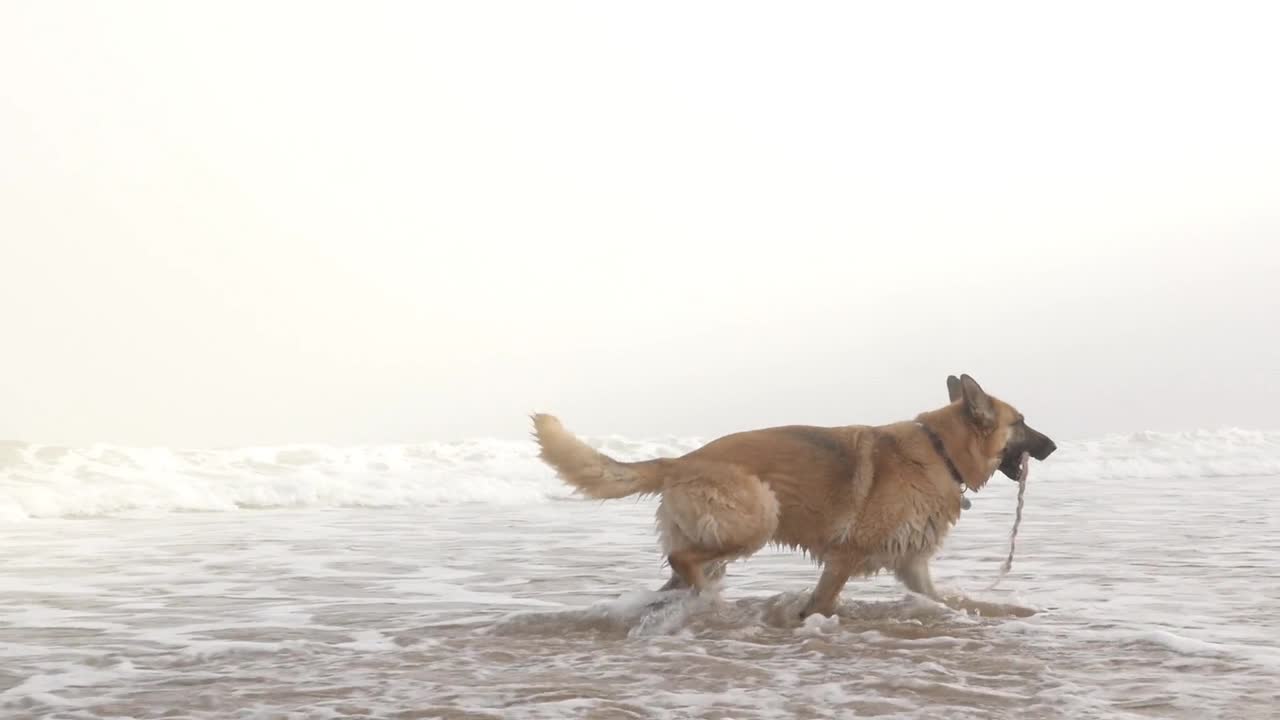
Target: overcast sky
{"type": "Point", "coordinates": [254, 223]}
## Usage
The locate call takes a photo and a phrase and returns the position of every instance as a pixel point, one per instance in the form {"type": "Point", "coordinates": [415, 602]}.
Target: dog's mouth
{"type": "Point", "coordinates": [1016, 454]}
{"type": "Point", "coordinates": [1011, 465]}
{"type": "Point", "coordinates": [1016, 465]}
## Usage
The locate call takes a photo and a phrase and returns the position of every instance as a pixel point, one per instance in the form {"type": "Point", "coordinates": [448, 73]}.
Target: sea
{"type": "Point", "coordinates": [462, 580]}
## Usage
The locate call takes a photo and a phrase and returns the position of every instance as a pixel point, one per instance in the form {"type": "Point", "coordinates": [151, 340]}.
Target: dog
{"type": "Point", "coordinates": [858, 499]}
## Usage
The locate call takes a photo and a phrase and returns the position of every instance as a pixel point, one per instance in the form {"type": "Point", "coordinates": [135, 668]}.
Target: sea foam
{"type": "Point", "coordinates": [46, 481]}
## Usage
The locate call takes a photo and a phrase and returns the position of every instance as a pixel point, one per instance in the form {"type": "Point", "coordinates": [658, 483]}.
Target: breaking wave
{"type": "Point", "coordinates": [48, 481]}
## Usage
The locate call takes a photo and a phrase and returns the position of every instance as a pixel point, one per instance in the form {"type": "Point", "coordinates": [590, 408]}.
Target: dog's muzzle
{"type": "Point", "coordinates": [1034, 443]}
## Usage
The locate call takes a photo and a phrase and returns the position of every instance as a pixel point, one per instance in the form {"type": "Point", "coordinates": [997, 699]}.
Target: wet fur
{"type": "Point", "coordinates": [858, 499]}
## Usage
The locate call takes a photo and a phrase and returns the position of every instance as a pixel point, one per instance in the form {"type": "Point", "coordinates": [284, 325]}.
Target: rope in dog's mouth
{"type": "Point", "coordinates": [1024, 464]}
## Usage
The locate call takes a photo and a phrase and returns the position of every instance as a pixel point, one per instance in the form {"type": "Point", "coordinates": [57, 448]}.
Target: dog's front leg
{"type": "Point", "coordinates": [914, 573]}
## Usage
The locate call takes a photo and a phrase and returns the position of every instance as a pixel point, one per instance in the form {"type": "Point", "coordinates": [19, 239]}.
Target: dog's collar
{"type": "Point", "coordinates": [942, 451]}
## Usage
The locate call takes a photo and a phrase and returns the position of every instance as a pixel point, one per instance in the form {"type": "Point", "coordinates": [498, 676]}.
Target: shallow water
{"type": "Point", "coordinates": [1152, 599]}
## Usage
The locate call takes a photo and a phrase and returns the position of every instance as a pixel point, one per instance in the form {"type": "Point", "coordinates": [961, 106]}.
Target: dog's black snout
{"type": "Point", "coordinates": [1046, 449]}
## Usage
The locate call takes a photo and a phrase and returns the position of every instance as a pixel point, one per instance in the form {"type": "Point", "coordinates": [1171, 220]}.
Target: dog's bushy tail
{"type": "Point", "coordinates": [590, 472]}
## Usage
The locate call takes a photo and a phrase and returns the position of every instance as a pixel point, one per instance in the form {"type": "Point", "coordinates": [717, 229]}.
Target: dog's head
{"type": "Point", "coordinates": [1003, 431]}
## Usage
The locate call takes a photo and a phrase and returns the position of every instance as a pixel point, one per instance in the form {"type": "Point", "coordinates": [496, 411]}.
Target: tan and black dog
{"type": "Point", "coordinates": [858, 499]}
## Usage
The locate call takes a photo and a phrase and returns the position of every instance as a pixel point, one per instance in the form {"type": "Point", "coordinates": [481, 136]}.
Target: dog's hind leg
{"type": "Point", "coordinates": [714, 571]}
{"type": "Point", "coordinates": [687, 565]}
{"type": "Point", "coordinates": [675, 582]}
{"type": "Point", "coordinates": [914, 573]}
{"type": "Point", "coordinates": [710, 515]}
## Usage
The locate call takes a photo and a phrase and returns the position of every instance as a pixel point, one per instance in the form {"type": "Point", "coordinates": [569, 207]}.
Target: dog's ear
{"type": "Point", "coordinates": [976, 402]}
{"type": "Point", "coordinates": [953, 388]}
